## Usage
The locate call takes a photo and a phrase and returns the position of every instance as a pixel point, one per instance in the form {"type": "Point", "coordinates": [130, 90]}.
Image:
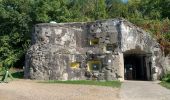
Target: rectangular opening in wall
{"type": "Point", "coordinates": [137, 67]}
{"type": "Point", "coordinates": [94, 65]}
{"type": "Point", "coordinates": [75, 65]}
{"type": "Point", "coordinates": [110, 47]}
{"type": "Point", "coordinates": [94, 41]}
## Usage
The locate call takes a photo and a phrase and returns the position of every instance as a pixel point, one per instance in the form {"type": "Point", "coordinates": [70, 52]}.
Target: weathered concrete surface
{"type": "Point", "coordinates": [143, 90]}
{"type": "Point", "coordinates": [167, 63]}
{"type": "Point", "coordinates": [137, 41]}
{"type": "Point", "coordinates": [56, 46]}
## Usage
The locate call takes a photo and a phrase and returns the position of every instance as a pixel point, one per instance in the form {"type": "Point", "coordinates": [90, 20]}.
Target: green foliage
{"type": "Point", "coordinates": [89, 82]}
{"type": "Point", "coordinates": [166, 80]}
{"type": "Point", "coordinates": [100, 10]}
{"type": "Point", "coordinates": [19, 74]}
{"type": "Point", "coordinates": [11, 48]}
{"type": "Point", "coordinates": [166, 77]}
{"type": "Point", "coordinates": [14, 28]}
{"type": "Point", "coordinates": [115, 8]}
{"type": "Point", "coordinates": [47, 10]}
{"type": "Point", "coordinates": [165, 84]}
{"type": "Point", "coordinates": [17, 17]}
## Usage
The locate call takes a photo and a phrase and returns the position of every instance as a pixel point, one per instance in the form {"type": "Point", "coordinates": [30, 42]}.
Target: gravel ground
{"type": "Point", "coordinates": [31, 90]}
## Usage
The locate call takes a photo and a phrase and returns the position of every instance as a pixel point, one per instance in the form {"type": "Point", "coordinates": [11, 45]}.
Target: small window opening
{"type": "Point", "coordinates": [94, 41]}
{"type": "Point", "coordinates": [110, 47]}
{"type": "Point", "coordinates": [75, 65]}
{"type": "Point", "coordinates": [94, 65]}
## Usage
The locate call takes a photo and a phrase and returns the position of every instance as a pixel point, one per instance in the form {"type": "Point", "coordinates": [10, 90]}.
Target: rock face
{"type": "Point", "coordinates": [92, 50]}
{"type": "Point", "coordinates": [167, 63]}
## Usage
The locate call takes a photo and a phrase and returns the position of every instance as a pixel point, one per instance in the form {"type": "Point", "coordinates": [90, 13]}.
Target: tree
{"type": "Point", "coordinates": [17, 18]}
{"type": "Point", "coordinates": [15, 29]}
{"type": "Point", "coordinates": [100, 9]}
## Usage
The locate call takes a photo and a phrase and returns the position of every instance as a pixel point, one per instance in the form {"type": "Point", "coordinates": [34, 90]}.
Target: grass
{"type": "Point", "coordinates": [116, 84]}
{"type": "Point", "coordinates": [165, 84]}
{"type": "Point", "coordinates": [166, 80]}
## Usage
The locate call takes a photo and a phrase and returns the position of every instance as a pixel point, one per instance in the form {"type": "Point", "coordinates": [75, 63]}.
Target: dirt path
{"type": "Point", "coordinates": [143, 90]}
{"type": "Point", "coordinates": [31, 90]}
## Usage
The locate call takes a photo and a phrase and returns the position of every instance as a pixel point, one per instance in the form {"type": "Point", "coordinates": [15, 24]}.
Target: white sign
{"type": "Point", "coordinates": [109, 61]}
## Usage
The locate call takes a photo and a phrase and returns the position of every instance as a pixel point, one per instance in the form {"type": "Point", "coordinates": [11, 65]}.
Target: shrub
{"type": "Point", "coordinates": [166, 77]}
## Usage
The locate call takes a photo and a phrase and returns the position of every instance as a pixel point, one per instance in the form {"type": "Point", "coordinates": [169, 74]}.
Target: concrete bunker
{"type": "Point", "coordinates": [104, 50]}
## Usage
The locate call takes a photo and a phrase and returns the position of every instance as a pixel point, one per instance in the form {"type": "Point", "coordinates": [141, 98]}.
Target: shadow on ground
{"type": "Point", "coordinates": [19, 74]}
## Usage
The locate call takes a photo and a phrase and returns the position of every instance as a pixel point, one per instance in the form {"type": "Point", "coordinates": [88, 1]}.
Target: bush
{"type": "Point", "coordinates": [166, 77]}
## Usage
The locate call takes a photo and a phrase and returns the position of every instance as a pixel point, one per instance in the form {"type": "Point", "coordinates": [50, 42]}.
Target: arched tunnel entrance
{"type": "Point", "coordinates": [137, 66]}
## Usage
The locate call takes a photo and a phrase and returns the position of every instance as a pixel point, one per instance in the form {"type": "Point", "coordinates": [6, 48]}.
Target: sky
{"type": "Point", "coordinates": [125, 1]}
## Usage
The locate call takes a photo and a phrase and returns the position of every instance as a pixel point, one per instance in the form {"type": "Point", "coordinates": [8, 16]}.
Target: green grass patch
{"type": "Point", "coordinates": [165, 84]}
{"type": "Point", "coordinates": [88, 82]}
{"type": "Point", "coordinates": [166, 80]}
